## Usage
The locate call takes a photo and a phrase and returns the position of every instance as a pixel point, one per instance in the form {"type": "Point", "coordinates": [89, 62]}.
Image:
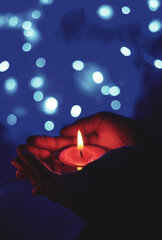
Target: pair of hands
{"type": "Point", "coordinates": [109, 181]}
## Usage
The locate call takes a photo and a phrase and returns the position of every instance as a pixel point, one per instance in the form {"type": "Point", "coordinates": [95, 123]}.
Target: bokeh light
{"type": "Point", "coordinates": [36, 14]}
{"type": "Point", "coordinates": [98, 77]}
{"type": "Point", "coordinates": [158, 63]}
{"type": "Point", "coordinates": [38, 96]}
{"type": "Point", "coordinates": [105, 12]}
{"type": "Point", "coordinates": [37, 82]}
{"type": "Point", "coordinates": [28, 32]}
{"type": "Point", "coordinates": [11, 119]}
{"type": "Point", "coordinates": [4, 66]}
{"type": "Point", "coordinates": [78, 65]}
{"type": "Point", "coordinates": [76, 111]}
{"type": "Point", "coordinates": [26, 47]}
{"type": "Point", "coordinates": [32, 34]}
{"type": "Point", "coordinates": [10, 85]}
{"type": "Point", "coordinates": [115, 105]}
{"type": "Point", "coordinates": [125, 51]}
{"type": "Point", "coordinates": [153, 5]}
{"type": "Point", "coordinates": [41, 62]}
{"type": "Point", "coordinates": [155, 25]}
{"type": "Point", "coordinates": [46, 2]}
{"type": "Point", "coordinates": [50, 105]}
{"type": "Point", "coordinates": [49, 125]}
{"type": "Point", "coordinates": [27, 25]}
{"type": "Point", "coordinates": [125, 10]}
{"type": "Point", "coordinates": [13, 21]}
{"type": "Point", "coordinates": [105, 90]}
{"type": "Point", "coordinates": [114, 91]}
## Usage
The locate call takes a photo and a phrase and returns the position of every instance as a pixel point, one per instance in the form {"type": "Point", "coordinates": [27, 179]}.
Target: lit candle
{"type": "Point", "coordinates": [76, 157]}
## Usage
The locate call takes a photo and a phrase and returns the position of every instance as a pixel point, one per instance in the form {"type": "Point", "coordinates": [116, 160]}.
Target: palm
{"type": "Point", "coordinates": [105, 129]}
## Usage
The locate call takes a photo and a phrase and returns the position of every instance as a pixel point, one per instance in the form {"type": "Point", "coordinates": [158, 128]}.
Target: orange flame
{"type": "Point", "coordinates": [80, 143]}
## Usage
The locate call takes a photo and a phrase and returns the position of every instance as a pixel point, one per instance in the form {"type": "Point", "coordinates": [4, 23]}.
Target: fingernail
{"type": "Point", "coordinates": [13, 162]}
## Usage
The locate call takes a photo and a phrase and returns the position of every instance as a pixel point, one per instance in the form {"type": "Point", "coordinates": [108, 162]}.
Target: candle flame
{"type": "Point", "coordinates": [79, 168]}
{"type": "Point", "coordinates": [80, 143]}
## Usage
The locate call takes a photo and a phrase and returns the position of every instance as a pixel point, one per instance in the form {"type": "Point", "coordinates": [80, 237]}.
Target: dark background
{"type": "Point", "coordinates": [63, 32]}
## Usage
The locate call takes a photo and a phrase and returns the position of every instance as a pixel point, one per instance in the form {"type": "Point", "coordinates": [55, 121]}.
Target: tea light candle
{"type": "Point", "coordinates": [80, 155]}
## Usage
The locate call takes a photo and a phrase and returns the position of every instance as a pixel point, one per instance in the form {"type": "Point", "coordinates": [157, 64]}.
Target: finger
{"type": "Point", "coordinates": [38, 167]}
{"type": "Point", "coordinates": [16, 164]}
{"type": "Point", "coordinates": [40, 153]}
{"type": "Point", "coordinates": [86, 125]}
{"type": "Point", "coordinates": [20, 174]}
{"type": "Point", "coordinates": [50, 143]}
{"type": "Point", "coordinates": [21, 166]}
{"type": "Point", "coordinates": [36, 191]}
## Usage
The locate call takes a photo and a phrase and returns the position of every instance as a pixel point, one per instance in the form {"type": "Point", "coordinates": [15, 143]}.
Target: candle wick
{"type": "Point", "coordinates": [81, 153]}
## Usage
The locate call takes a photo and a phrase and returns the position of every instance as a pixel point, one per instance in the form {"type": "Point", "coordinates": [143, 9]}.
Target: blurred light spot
{"type": "Point", "coordinates": [153, 5]}
{"type": "Point", "coordinates": [75, 111]}
{"type": "Point", "coordinates": [10, 85]}
{"type": "Point", "coordinates": [41, 62]}
{"type": "Point", "coordinates": [125, 51]}
{"type": "Point", "coordinates": [49, 125]}
{"type": "Point", "coordinates": [4, 66]}
{"type": "Point", "coordinates": [26, 47]}
{"type": "Point", "coordinates": [105, 90]}
{"type": "Point", "coordinates": [36, 14]}
{"type": "Point", "coordinates": [38, 96]}
{"type": "Point", "coordinates": [97, 77]}
{"type": "Point", "coordinates": [158, 63]}
{"type": "Point", "coordinates": [11, 119]}
{"type": "Point", "coordinates": [105, 12]}
{"type": "Point", "coordinates": [46, 2]}
{"type": "Point", "coordinates": [27, 25]}
{"type": "Point", "coordinates": [28, 32]}
{"type": "Point", "coordinates": [2, 21]}
{"type": "Point", "coordinates": [125, 10]}
{"type": "Point", "coordinates": [50, 105]}
{"type": "Point", "coordinates": [13, 21]}
{"type": "Point", "coordinates": [116, 105]}
{"type": "Point", "coordinates": [37, 82]}
{"type": "Point", "coordinates": [155, 25]}
{"type": "Point", "coordinates": [31, 34]}
{"type": "Point", "coordinates": [114, 91]}
{"type": "Point", "coordinates": [78, 65]}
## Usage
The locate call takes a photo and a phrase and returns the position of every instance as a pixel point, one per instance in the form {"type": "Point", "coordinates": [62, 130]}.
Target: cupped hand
{"type": "Point", "coordinates": [104, 129]}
